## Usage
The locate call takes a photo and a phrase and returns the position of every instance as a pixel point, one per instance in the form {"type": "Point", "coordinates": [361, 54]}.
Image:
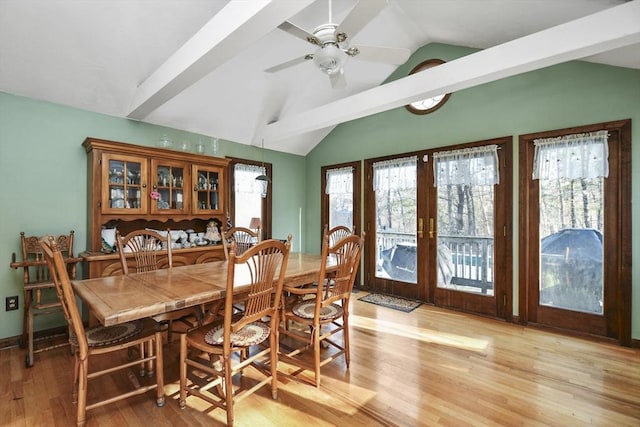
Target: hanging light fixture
{"type": "Point", "coordinates": [263, 179]}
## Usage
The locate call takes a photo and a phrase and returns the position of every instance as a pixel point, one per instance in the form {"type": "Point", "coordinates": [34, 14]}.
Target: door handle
{"type": "Point", "coordinates": [431, 232]}
{"type": "Point", "coordinates": [420, 228]}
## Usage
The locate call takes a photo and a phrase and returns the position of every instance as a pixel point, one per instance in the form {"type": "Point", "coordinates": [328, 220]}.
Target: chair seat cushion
{"type": "Point", "coordinates": [305, 309]}
{"type": "Point", "coordinates": [252, 334]}
{"type": "Point", "coordinates": [106, 335]}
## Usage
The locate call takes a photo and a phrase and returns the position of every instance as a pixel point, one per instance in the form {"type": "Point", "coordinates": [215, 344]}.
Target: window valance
{"type": "Point", "coordinates": [573, 156]}
{"type": "Point", "coordinates": [467, 166]}
{"type": "Point", "coordinates": [395, 174]}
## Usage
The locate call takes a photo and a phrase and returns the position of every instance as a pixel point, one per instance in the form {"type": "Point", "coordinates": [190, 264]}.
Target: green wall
{"type": "Point", "coordinates": [571, 94]}
{"type": "Point", "coordinates": [43, 166]}
{"type": "Point", "coordinates": [43, 171]}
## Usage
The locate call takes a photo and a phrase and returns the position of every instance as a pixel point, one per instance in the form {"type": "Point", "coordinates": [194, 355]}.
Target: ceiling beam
{"type": "Point", "coordinates": [603, 31]}
{"type": "Point", "coordinates": [234, 28]}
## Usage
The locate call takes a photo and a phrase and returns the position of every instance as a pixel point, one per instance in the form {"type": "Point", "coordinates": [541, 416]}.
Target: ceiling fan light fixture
{"type": "Point", "coordinates": [329, 59]}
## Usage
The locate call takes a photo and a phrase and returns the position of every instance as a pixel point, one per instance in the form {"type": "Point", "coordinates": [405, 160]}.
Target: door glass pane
{"type": "Point", "coordinates": [571, 236]}
{"type": "Point", "coordinates": [248, 194]}
{"type": "Point", "coordinates": [124, 184]}
{"type": "Point", "coordinates": [465, 237]}
{"type": "Point", "coordinates": [170, 181]}
{"type": "Point", "coordinates": [340, 194]}
{"type": "Point", "coordinates": [395, 201]}
{"type": "Point", "coordinates": [341, 210]}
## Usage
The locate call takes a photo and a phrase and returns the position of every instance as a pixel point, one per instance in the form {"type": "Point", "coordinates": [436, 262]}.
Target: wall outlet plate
{"type": "Point", "coordinates": [11, 303]}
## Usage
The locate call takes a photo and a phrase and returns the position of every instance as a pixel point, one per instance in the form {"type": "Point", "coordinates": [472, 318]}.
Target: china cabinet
{"type": "Point", "coordinates": [132, 187]}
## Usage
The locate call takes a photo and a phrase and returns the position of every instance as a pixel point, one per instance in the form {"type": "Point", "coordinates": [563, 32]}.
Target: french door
{"type": "Point", "coordinates": [469, 228]}
{"type": "Point", "coordinates": [575, 219]}
{"type": "Point", "coordinates": [448, 244]}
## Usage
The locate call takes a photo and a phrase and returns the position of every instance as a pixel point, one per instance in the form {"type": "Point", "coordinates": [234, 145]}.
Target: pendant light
{"type": "Point", "coordinates": [263, 179]}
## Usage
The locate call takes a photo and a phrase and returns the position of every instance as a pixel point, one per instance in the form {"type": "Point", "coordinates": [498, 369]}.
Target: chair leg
{"type": "Point", "coordinates": [228, 389]}
{"type": "Point", "coordinates": [76, 377]}
{"type": "Point", "coordinates": [183, 371]}
{"type": "Point", "coordinates": [345, 335]}
{"type": "Point", "coordinates": [82, 391]}
{"type": "Point", "coordinates": [150, 352]}
{"type": "Point", "coordinates": [316, 353]}
{"type": "Point", "coordinates": [28, 298]}
{"type": "Point", "coordinates": [274, 339]}
{"type": "Point", "coordinates": [159, 369]}
{"type": "Point", "coordinates": [29, 361]}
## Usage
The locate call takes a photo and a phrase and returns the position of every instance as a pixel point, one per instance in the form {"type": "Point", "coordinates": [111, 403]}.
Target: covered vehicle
{"type": "Point", "coordinates": [571, 269]}
{"type": "Point", "coordinates": [399, 261]}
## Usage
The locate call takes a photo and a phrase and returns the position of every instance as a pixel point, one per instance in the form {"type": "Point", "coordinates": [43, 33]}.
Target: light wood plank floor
{"type": "Point", "coordinates": [431, 367]}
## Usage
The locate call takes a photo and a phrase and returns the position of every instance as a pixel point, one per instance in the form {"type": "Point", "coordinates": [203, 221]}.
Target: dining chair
{"type": "Point", "coordinates": [243, 237]}
{"type": "Point", "coordinates": [149, 250]}
{"type": "Point", "coordinates": [87, 343]}
{"type": "Point", "coordinates": [320, 312]}
{"type": "Point", "coordinates": [219, 351]}
{"type": "Point", "coordinates": [39, 298]}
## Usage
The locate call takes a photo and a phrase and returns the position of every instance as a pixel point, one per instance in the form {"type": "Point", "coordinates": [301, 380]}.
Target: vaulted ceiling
{"type": "Point", "coordinates": [198, 65]}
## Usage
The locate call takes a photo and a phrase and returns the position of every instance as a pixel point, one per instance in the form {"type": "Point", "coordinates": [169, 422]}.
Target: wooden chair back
{"type": "Point", "coordinates": [148, 248]}
{"type": "Point", "coordinates": [261, 263]}
{"type": "Point", "coordinates": [58, 271]}
{"type": "Point", "coordinates": [338, 233]}
{"type": "Point", "coordinates": [244, 238]}
{"type": "Point", "coordinates": [339, 284]}
{"type": "Point", "coordinates": [36, 270]}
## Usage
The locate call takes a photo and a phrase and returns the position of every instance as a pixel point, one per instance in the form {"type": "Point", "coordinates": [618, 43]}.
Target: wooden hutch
{"type": "Point", "coordinates": [133, 187]}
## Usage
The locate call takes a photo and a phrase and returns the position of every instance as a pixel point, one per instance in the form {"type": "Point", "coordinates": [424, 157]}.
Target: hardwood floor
{"type": "Point", "coordinates": [431, 367]}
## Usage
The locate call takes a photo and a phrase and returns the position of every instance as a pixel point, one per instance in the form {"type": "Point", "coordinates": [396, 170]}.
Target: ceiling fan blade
{"type": "Point", "coordinates": [363, 12]}
{"type": "Point", "coordinates": [388, 55]}
{"type": "Point", "coordinates": [338, 81]}
{"type": "Point", "coordinates": [299, 32]}
{"type": "Point", "coordinates": [288, 64]}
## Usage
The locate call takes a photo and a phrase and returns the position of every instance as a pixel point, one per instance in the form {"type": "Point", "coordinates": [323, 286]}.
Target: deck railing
{"type": "Point", "coordinates": [471, 257]}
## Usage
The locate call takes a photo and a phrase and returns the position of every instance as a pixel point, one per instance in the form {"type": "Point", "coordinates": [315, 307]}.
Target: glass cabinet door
{"type": "Point", "coordinates": [126, 191]}
{"type": "Point", "coordinates": [208, 184]}
{"type": "Point", "coordinates": [169, 180]}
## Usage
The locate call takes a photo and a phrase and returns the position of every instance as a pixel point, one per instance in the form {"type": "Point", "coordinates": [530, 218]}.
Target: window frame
{"type": "Point", "coordinates": [267, 204]}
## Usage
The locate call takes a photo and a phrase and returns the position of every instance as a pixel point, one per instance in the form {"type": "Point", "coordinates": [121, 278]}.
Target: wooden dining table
{"type": "Point", "coordinates": [118, 299]}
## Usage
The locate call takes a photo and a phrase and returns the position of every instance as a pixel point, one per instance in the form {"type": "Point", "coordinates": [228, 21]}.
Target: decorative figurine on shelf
{"type": "Point", "coordinates": [212, 233]}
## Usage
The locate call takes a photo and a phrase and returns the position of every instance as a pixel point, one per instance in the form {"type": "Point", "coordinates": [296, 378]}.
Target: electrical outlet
{"type": "Point", "coordinates": [11, 303]}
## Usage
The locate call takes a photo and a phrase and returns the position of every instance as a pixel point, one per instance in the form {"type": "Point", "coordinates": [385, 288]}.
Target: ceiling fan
{"type": "Point", "coordinates": [332, 41]}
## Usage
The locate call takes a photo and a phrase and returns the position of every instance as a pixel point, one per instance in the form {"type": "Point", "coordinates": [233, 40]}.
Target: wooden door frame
{"type": "Point", "coordinates": [357, 194]}
{"type": "Point", "coordinates": [618, 322]}
{"type": "Point", "coordinates": [357, 202]}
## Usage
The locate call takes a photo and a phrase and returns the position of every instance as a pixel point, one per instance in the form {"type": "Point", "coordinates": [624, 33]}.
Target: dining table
{"type": "Point", "coordinates": [118, 299]}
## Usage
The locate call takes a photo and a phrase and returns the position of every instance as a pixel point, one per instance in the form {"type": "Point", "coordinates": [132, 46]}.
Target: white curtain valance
{"type": "Point", "coordinates": [339, 181]}
{"type": "Point", "coordinates": [574, 156]}
{"type": "Point", "coordinates": [467, 166]}
{"type": "Point", "coordinates": [245, 178]}
{"type": "Point", "coordinates": [395, 174]}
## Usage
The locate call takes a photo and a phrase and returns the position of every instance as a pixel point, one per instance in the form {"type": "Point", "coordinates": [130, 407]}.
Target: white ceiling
{"type": "Point", "coordinates": [198, 65]}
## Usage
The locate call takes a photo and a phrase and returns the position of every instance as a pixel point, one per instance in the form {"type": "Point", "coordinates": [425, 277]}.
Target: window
{"type": "Point", "coordinates": [247, 193]}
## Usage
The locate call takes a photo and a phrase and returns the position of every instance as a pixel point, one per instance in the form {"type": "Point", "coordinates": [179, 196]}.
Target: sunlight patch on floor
{"type": "Point", "coordinates": [417, 333]}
